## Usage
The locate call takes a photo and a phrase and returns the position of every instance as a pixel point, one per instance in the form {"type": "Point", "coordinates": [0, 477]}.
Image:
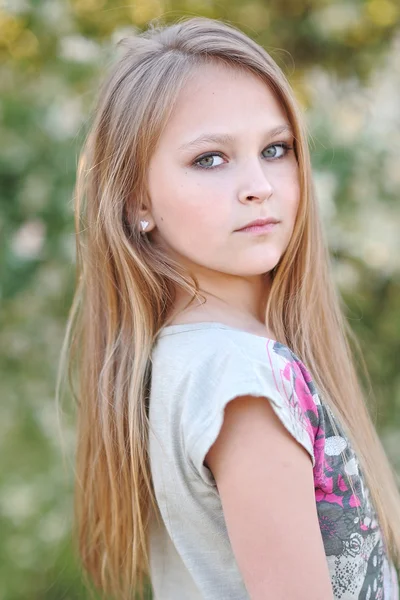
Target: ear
{"type": "Point", "coordinates": [134, 218]}
{"type": "Point", "coordinates": [143, 218]}
{"type": "Point", "coordinates": [146, 221]}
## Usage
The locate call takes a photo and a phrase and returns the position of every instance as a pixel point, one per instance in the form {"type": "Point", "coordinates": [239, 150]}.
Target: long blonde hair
{"type": "Point", "coordinates": [126, 286]}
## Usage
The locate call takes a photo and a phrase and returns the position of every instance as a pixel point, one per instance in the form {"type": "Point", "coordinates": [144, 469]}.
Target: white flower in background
{"type": "Point", "coordinates": [28, 240]}
{"type": "Point", "coordinates": [79, 49]}
{"type": "Point", "coordinates": [336, 18]}
{"type": "Point", "coordinates": [56, 13]}
{"type": "Point", "coordinates": [15, 6]}
{"type": "Point", "coordinates": [64, 117]}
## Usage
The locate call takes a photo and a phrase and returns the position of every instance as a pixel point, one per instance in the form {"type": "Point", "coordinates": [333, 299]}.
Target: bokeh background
{"type": "Point", "coordinates": [343, 60]}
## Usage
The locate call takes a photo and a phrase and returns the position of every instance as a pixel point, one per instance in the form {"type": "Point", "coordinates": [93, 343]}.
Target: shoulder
{"type": "Point", "coordinates": [226, 356]}
{"type": "Point", "coordinates": [215, 356]}
{"type": "Point", "coordinates": [213, 339]}
{"type": "Point", "coordinates": [203, 369]}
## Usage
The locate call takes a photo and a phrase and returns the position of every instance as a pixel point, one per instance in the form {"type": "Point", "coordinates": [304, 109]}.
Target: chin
{"type": "Point", "coordinates": [254, 271]}
{"type": "Point", "coordinates": [257, 266]}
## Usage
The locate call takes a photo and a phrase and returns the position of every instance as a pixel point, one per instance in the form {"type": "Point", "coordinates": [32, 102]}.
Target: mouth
{"type": "Point", "coordinates": [260, 225]}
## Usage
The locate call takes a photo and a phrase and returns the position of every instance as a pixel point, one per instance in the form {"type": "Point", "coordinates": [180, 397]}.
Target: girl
{"type": "Point", "coordinates": [209, 456]}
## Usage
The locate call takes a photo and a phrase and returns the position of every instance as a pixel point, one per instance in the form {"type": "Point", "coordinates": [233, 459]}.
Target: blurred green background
{"type": "Point", "coordinates": [343, 60]}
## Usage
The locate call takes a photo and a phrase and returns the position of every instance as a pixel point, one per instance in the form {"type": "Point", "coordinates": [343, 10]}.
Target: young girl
{"type": "Point", "coordinates": [224, 446]}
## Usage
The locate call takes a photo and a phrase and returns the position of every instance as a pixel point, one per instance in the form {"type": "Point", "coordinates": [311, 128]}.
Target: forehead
{"type": "Point", "coordinates": [218, 97]}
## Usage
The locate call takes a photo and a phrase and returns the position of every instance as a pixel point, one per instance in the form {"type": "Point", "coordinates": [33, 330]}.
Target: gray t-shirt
{"type": "Point", "coordinates": [196, 370]}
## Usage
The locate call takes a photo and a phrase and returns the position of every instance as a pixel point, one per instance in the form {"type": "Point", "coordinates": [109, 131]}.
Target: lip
{"type": "Point", "coordinates": [260, 225]}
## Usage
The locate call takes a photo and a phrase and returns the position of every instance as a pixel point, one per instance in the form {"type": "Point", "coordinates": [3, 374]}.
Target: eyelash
{"type": "Point", "coordinates": [283, 145]}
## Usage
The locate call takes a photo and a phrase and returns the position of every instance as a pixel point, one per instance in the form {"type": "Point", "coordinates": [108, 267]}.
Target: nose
{"type": "Point", "coordinates": [257, 188]}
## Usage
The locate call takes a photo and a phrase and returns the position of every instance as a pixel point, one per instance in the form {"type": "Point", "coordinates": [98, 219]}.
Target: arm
{"type": "Point", "coordinates": [265, 481]}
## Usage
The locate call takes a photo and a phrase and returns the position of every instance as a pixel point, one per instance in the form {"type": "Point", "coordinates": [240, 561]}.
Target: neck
{"type": "Point", "coordinates": [236, 301]}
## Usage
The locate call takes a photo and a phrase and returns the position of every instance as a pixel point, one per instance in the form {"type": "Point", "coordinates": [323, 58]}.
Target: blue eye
{"type": "Point", "coordinates": [206, 159]}
{"type": "Point", "coordinates": [278, 150]}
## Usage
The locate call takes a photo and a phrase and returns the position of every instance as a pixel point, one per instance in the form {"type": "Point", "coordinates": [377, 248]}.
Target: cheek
{"type": "Point", "coordinates": [186, 214]}
{"type": "Point", "coordinates": [196, 205]}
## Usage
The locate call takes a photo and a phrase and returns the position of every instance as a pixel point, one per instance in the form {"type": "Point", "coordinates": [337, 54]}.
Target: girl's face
{"type": "Point", "coordinates": [224, 159]}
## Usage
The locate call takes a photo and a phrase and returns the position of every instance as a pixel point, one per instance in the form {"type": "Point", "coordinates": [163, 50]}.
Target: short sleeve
{"type": "Point", "coordinates": [227, 369]}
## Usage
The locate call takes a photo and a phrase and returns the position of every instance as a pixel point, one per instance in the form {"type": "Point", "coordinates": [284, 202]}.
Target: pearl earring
{"type": "Point", "coordinates": [144, 224]}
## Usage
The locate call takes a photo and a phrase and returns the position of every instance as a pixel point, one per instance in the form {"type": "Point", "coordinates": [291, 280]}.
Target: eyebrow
{"type": "Point", "coordinates": [225, 138]}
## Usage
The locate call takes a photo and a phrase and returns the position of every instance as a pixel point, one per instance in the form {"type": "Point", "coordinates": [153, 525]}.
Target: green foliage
{"type": "Point", "coordinates": [340, 59]}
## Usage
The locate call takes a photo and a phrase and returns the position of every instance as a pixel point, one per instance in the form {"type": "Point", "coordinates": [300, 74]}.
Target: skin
{"type": "Point", "coordinates": [194, 212]}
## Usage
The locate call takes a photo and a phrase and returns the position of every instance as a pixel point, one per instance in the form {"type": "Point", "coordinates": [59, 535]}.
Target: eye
{"type": "Point", "coordinates": [207, 161]}
{"type": "Point", "coordinates": [277, 150]}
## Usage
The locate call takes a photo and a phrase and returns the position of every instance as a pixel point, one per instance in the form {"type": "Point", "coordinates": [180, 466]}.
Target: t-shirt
{"type": "Point", "coordinates": [196, 370]}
